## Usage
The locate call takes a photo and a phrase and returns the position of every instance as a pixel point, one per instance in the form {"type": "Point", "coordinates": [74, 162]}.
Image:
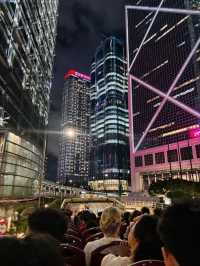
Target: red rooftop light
{"type": "Point", "coordinates": [74, 73]}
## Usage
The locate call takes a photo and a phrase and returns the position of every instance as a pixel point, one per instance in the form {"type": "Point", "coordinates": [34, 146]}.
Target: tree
{"type": "Point", "coordinates": [175, 188]}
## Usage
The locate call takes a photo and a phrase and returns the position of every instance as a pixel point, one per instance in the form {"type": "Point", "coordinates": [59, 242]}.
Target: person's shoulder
{"type": "Point", "coordinates": [93, 244]}
{"type": "Point", "coordinates": [108, 259]}
{"type": "Point", "coordinates": [116, 260]}
{"type": "Point", "coordinates": [87, 246]}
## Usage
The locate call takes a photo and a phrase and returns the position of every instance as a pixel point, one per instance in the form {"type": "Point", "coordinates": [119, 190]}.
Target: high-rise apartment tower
{"type": "Point", "coordinates": [73, 160]}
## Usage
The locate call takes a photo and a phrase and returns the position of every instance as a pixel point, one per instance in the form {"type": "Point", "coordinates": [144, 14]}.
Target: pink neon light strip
{"type": "Point", "coordinates": [130, 100]}
{"type": "Point", "coordinates": [130, 103]}
{"type": "Point", "coordinates": [146, 34]}
{"type": "Point", "coordinates": [194, 133]}
{"type": "Point", "coordinates": [168, 93]}
{"type": "Point", "coordinates": [164, 10]}
{"type": "Point", "coordinates": [169, 98]}
{"type": "Point", "coordinates": [130, 97]}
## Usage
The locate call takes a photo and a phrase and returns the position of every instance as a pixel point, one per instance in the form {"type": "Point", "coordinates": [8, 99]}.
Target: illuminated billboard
{"type": "Point", "coordinates": [194, 133]}
{"type": "Point", "coordinates": [77, 74]}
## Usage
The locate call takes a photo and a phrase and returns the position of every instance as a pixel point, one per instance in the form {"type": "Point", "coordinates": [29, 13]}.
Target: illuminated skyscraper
{"type": "Point", "coordinates": [164, 90]}
{"type": "Point", "coordinates": [109, 165]}
{"type": "Point", "coordinates": [27, 41]}
{"type": "Point", "coordinates": [74, 142]}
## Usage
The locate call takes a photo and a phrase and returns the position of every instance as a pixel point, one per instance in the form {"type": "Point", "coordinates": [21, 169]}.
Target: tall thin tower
{"type": "Point", "coordinates": [73, 160]}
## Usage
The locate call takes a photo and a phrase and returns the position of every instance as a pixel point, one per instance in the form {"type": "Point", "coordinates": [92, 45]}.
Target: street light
{"type": "Point", "coordinates": [72, 132]}
{"type": "Point", "coordinates": [69, 132]}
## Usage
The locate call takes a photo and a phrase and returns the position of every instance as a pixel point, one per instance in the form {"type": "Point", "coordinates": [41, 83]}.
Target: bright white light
{"type": "Point", "coordinates": [167, 201]}
{"type": "Point", "coordinates": [69, 132]}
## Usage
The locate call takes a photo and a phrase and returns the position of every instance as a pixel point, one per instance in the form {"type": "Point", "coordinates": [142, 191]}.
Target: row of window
{"type": "Point", "coordinates": [172, 156]}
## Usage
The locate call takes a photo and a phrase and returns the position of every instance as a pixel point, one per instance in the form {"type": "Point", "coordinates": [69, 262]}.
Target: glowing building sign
{"type": "Point", "coordinates": [77, 74]}
{"type": "Point", "coordinates": [194, 133]}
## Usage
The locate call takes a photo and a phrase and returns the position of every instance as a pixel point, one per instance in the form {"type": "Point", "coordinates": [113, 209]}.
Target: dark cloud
{"type": "Point", "coordinates": [82, 24]}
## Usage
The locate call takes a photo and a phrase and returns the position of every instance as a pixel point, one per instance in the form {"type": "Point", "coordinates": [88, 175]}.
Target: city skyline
{"type": "Point", "coordinates": [151, 88]}
{"type": "Point", "coordinates": [81, 28]}
{"type": "Point", "coordinates": [83, 63]}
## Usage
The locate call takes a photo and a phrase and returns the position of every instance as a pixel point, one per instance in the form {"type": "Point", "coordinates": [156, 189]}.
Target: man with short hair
{"type": "Point", "coordinates": [49, 221]}
{"type": "Point", "coordinates": [145, 210]}
{"type": "Point", "coordinates": [179, 230]}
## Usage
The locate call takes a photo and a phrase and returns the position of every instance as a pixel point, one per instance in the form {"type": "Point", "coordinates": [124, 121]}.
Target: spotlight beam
{"type": "Point", "coordinates": [42, 132]}
{"type": "Point", "coordinates": [146, 34]}
{"type": "Point", "coordinates": [168, 93]}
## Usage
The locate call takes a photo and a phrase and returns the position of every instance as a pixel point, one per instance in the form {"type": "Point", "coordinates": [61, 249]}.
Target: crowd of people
{"type": "Point", "coordinates": [111, 238]}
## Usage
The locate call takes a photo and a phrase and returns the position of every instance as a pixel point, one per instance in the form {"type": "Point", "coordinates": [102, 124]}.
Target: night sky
{"type": "Point", "coordinates": [82, 24]}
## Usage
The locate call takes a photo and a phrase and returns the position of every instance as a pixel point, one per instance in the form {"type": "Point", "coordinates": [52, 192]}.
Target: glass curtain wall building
{"type": "Point", "coordinates": [73, 162]}
{"type": "Point", "coordinates": [109, 164]}
{"type": "Point", "coordinates": [28, 31]}
{"type": "Point", "coordinates": [164, 90]}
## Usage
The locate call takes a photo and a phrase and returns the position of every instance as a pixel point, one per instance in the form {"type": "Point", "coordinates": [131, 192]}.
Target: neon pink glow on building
{"type": "Point", "coordinates": [74, 73]}
{"type": "Point", "coordinates": [194, 133]}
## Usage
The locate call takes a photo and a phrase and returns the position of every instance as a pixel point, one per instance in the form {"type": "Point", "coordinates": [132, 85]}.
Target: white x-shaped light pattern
{"type": "Point", "coordinates": [166, 96]}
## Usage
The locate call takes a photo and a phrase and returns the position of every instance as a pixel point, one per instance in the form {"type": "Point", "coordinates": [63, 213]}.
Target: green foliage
{"type": "Point", "coordinates": [22, 225]}
{"type": "Point", "coordinates": [175, 188]}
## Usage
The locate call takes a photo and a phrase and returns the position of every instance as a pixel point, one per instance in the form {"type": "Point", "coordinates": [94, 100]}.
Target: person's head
{"type": "Point", "coordinates": [157, 212]}
{"type": "Point", "coordinates": [126, 217]}
{"type": "Point", "coordinates": [68, 212]}
{"type": "Point", "coordinates": [33, 250]}
{"type": "Point", "coordinates": [99, 214]}
{"type": "Point", "coordinates": [88, 218]}
{"type": "Point", "coordinates": [8, 246]}
{"type": "Point", "coordinates": [143, 239]}
{"type": "Point", "coordinates": [145, 210]}
{"type": "Point", "coordinates": [50, 221]}
{"type": "Point", "coordinates": [110, 222]}
{"type": "Point", "coordinates": [134, 215]}
{"type": "Point", "coordinates": [179, 230]}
